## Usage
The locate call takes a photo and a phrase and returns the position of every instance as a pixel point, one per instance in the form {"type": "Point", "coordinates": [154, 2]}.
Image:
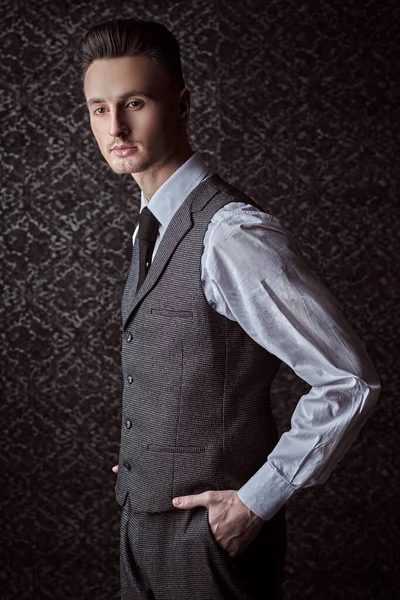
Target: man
{"type": "Point", "coordinates": [216, 297]}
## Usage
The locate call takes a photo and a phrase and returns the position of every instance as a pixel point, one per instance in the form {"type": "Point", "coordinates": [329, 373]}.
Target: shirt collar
{"type": "Point", "coordinates": [170, 195]}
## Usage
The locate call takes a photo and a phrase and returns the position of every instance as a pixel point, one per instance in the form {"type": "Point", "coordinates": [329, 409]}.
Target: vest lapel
{"type": "Point", "coordinates": [131, 282]}
{"type": "Point", "coordinates": [179, 225]}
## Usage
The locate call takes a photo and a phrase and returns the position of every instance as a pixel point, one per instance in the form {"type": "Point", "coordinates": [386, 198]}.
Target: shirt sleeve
{"type": "Point", "coordinates": [253, 272]}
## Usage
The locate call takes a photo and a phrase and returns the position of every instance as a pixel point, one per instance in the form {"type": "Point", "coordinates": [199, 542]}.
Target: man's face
{"type": "Point", "coordinates": [121, 114]}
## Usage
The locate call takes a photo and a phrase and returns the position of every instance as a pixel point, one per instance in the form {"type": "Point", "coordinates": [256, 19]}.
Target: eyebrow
{"type": "Point", "coordinates": [123, 97]}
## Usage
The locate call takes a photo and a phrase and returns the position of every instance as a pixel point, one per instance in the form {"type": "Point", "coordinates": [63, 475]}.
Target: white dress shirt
{"type": "Point", "coordinates": [253, 273]}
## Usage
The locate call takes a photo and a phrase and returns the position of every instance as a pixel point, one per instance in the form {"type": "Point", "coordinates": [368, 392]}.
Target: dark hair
{"type": "Point", "coordinates": [132, 37]}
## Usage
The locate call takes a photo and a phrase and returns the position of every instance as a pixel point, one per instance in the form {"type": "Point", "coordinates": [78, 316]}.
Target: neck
{"type": "Point", "coordinates": [150, 180]}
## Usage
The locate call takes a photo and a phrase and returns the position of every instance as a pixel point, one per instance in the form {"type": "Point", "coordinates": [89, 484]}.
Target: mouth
{"type": "Point", "coordinates": [124, 150]}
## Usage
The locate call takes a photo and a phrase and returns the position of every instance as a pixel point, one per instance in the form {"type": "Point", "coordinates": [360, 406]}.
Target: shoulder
{"type": "Point", "coordinates": [235, 212]}
{"type": "Point", "coordinates": [242, 222]}
{"type": "Point", "coordinates": [239, 206]}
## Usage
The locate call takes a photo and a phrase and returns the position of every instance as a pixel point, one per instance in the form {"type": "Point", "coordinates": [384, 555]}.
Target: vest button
{"type": "Point", "coordinates": [128, 336]}
{"type": "Point", "coordinates": [127, 466]}
{"type": "Point", "coordinates": [128, 424]}
{"type": "Point", "coordinates": [130, 379]}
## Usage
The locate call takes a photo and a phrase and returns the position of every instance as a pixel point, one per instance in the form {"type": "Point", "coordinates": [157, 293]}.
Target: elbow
{"type": "Point", "coordinates": [376, 385]}
{"type": "Point", "coordinates": [374, 382]}
{"type": "Point", "coordinates": [372, 389]}
{"type": "Point", "coordinates": [369, 379]}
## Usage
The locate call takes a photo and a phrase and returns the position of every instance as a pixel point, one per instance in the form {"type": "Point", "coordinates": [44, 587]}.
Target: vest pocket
{"type": "Point", "coordinates": [169, 312]}
{"type": "Point", "coordinates": [175, 449]}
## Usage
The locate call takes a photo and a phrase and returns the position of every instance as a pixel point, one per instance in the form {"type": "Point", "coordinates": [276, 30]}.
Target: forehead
{"type": "Point", "coordinates": [112, 77]}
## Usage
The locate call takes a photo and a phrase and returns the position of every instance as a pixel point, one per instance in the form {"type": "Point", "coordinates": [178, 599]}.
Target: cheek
{"type": "Point", "coordinates": [95, 129]}
{"type": "Point", "coordinates": [156, 126]}
{"type": "Point", "coordinates": [148, 123]}
{"type": "Point", "coordinates": [98, 133]}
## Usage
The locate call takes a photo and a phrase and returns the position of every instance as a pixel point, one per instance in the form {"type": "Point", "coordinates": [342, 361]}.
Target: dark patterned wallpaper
{"type": "Point", "coordinates": [297, 103]}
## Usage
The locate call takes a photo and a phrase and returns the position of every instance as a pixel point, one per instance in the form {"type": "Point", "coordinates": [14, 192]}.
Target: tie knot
{"type": "Point", "coordinates": [148, 225]}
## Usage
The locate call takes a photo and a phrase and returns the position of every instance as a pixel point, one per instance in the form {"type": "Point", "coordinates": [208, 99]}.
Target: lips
{"type": "Point", "coordinates": [124, 150]}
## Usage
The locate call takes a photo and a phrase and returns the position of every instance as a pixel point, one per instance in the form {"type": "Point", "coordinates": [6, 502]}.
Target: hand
{"type": "Point", "coordinates": [115, 469]}
{"type": "Point", "coordinates": [232, 523]}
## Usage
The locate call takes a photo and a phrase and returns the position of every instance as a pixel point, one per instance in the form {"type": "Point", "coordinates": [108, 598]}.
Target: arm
{"type": "Point", "coordinates": [253, 272]}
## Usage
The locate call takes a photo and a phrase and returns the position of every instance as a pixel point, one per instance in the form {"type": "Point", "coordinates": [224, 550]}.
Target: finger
{"type": "Point", "coordinates": [191, 501]}
{"type": "Point", "coordinates": [115, 469]}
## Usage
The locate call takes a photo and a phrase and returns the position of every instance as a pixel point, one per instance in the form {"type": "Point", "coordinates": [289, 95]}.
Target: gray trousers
{"type": "Point", "coordinates": [173, 555]}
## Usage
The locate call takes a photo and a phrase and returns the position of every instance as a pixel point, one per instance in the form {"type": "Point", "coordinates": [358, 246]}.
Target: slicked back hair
{"type": "Point", "coordinates": [133, 37]}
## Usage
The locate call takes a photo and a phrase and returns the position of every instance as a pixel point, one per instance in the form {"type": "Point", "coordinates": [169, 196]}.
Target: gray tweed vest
{"type": "Point", "coordinates": [196, 412]}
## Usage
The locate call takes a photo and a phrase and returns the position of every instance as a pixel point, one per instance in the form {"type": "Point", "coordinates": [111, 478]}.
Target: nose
{"type": "Point", "coordinates": [118, 126]}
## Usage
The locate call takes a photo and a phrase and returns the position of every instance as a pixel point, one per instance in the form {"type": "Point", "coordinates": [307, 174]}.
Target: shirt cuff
{"type": "Point", "coordinates": [266, 491]}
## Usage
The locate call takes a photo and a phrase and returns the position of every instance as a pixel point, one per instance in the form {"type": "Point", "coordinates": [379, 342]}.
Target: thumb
{"type": "Point", "coordinates": [115, 469]}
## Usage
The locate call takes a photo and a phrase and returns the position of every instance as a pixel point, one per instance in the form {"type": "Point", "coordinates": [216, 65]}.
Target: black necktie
{"type": "Point", "coordinates": [147, 233]}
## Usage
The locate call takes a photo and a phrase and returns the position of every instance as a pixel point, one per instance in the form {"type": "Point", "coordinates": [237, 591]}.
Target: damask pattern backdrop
{"type": "Point", "coordinates": [297, 103]}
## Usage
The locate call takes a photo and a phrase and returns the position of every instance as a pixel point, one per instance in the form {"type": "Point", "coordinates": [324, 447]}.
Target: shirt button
{"type": "Point", "coordinates": [129, 379]}
{"type": "Point", "coordinates": [127, 466]}
{"type": "Point", "coordinates": [128, 336]}
{"type": "Point", "coordinates": [128, 424]}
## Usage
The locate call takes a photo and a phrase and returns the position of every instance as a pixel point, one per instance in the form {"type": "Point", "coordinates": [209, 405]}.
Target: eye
{"type": "Point", "coordinates": [95, 112]}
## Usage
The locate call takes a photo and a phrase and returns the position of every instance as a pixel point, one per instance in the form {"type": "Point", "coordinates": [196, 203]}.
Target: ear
{"type": "Point", "coordinates": [184, 104]}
